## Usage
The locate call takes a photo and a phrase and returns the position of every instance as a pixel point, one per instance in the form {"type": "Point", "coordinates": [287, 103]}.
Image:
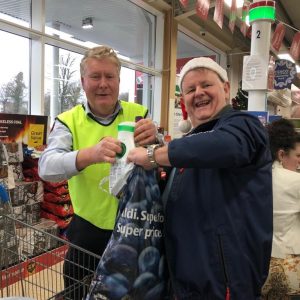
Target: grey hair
{"type": "Point", "coordinates": [100, 52]}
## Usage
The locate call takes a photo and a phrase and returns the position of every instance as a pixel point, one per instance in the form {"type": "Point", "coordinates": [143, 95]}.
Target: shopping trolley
{"type": "Point", "coordinates": [32, 262]}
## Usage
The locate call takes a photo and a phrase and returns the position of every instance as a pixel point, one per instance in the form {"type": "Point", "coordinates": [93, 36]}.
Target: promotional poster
{"type": "Point", "coordinates": [30, 130]}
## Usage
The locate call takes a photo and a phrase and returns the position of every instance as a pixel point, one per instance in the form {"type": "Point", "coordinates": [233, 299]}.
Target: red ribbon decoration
{"type": "Point", "coordinates": [295, 47]}
{"type": "Point", "coordinates": [278, 36]}
{"type": "Point", "coordinates": [202, 8]}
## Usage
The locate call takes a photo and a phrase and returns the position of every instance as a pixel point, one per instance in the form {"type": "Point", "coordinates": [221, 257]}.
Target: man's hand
{"type": "Point", "coordinates": [145, 132]}
{"type": "Point", "coordinates": [105, 151]}
{"type": "Point", "coordinates": [139, 157]}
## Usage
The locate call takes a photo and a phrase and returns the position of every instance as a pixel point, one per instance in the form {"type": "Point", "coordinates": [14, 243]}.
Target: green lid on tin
{"type": "Point", "coordinates": [123, 146]}
{"type": "Point", "coordinates": [126, 126]}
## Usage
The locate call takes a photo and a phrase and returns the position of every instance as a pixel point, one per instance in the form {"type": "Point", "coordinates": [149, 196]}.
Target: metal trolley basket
{"type": "Point", "coordinates": [32, 262]}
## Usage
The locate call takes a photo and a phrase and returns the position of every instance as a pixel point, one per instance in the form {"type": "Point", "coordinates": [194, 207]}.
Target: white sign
{"type": "Point", "coordinates": [255, 73]}
{"type": "Point", "coordinates": [175, 116]}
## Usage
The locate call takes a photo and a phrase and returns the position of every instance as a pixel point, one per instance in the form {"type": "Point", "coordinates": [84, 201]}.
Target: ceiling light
{"type": "Point", "coordinates": [87, 23]}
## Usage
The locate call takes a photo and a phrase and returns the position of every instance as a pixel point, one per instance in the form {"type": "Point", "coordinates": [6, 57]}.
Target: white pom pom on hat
{"type": "Point", "coordinates": [202, 62]}
{"type": "Point", "coordinates": [184, 125]}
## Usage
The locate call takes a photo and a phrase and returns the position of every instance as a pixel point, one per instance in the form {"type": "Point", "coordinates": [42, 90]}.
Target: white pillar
{"type": "Point", "coordinates": [260, 45]}
{"type": "Point", "coordinates": [37, 65]}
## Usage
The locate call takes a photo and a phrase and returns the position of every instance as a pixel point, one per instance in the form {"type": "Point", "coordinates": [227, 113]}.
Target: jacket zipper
{"type": "Point", "coordinates": [227, 295]}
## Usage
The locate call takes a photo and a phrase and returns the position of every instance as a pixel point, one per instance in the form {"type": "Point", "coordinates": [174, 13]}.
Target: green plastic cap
{"type": "Point", "coordinates": [126, 126]}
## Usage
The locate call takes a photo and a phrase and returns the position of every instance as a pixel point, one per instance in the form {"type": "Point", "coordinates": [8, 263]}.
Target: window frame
{"type": "Point", "coordinates": [38, 40]}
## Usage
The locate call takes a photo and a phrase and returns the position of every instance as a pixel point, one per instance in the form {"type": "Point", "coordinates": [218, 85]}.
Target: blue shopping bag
{"type": "Point", "coordinates": [133, 265]}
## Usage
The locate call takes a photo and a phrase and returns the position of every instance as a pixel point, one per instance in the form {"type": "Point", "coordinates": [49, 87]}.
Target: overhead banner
{"type": "Point", "coordinates": [295, 47]}
{"type": "Point", "coordinates": [219, 13]}
{"type": "Point", "coordinates": [232, 17]}
{"type": "Point", "coordinates": [278, 36]}
{"type": "Point", "coordinates": [202, 8]}
{"type": "Point", "coordinates": [244, 25]}
{"type": "Point", "coordinates": [184, 3]}
{"type": "Point", "coordinates": [285, 72]}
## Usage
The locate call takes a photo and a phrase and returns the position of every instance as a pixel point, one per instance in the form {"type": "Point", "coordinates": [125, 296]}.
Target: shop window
{"type": "Point", "coordinates": [122, 25]}
{"type": "Point", "coordinates": [63, 85]}
{"type": "Point", "coordinates": [14, 75]}
{"type": "Point", "coordinates": [62, 80]}
{"type": "Point", "coordinates": [188, 48]}
{"type": "Point", "coordinates": [127, 27]}
{"type": "Point", "coordinates": [136, 87]}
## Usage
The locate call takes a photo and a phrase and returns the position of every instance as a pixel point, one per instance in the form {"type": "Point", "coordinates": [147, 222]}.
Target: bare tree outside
{"type": "Point", "coordinates": [4, 98]}
{"type": "Point", "coordinates": [67, 91]}
{"type": "Point", "coordinates": [70, 92]}
{"type": "Point", "coordinates": [12, 96]}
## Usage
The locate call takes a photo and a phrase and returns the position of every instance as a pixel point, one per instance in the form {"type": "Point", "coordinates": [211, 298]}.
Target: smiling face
{"type": "Point", "coordinates": [100, 81]}
{"type": "Point", "coordinates": [204, 95]}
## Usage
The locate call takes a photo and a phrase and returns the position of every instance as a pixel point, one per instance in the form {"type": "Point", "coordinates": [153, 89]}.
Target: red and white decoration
{"type": "Point", "coordinates": [184, 3]}
{"type": "Point", "coordinates": [232, 17]}
{"type": "Point", "coordinates": [295, 47]}
{"type": "Point", "coordinates": [202, 8]}
{"type": "Point", "coordinates": [278, 36]}
{"type": "Point", "coordinates": [244, 26]}
{"type": "Point", "coordinates": [219, 13]}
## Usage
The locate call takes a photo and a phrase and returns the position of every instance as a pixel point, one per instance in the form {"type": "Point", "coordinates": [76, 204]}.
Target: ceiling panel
{"type": "Point", "coordinates": [119, 24]}
{"type": "Point", "coordinates": [287, 11]}
{"type": "Point", "coordinates": [16, 8]}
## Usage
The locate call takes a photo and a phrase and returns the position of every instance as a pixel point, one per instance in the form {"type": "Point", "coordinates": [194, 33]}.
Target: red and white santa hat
{"type": "Point", "coordinates": [195, 63]}
{"type": "Point", "coordinates": [202, 62]}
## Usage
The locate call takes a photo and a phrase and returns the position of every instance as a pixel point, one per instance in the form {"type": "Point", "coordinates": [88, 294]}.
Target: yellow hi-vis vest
{"type": "Point", "coordinates": [89, 201]}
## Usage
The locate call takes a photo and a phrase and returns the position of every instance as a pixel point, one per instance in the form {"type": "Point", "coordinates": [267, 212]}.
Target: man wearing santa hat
{"type": "Point", "coordinates": [218, 225]}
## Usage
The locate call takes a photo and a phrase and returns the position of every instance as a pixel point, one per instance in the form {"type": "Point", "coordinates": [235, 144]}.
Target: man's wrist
{"type": "Point", "coordinates": [151, 154]}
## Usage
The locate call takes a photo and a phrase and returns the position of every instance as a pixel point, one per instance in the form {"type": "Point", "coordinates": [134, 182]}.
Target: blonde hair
{"type": "Point", "coordinates": [100, 52]}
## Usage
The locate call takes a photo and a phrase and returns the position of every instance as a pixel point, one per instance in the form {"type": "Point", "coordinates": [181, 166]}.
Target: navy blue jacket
{"type": "Point", "coordinates": [219, 211]}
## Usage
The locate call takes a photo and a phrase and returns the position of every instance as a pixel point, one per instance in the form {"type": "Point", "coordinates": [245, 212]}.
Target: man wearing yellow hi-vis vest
{"type": "Point", "coordinates": [83, 144]}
